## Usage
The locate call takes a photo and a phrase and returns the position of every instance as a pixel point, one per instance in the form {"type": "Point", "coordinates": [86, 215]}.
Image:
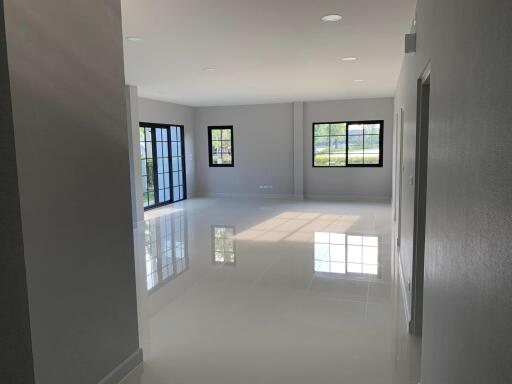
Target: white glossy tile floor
{"type": "Point", "coordinates": [270, 291]}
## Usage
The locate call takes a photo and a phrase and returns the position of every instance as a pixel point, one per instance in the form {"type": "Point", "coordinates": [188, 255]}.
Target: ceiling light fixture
{"type": "Point", "coordinates": [331, 18]}
{"type": "Point", "coordinates": [358, 80]}
{"type": "Point", "coordinates": [209, 69]}
{"type": "Point", "coordinates": [134, 38]}
{"type": "Point", "coordinates": [349, 59]}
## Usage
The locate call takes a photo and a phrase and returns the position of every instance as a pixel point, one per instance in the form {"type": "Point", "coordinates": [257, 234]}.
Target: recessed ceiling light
{"type": "Point", "coordinates": [209, 69]}
{"type": "Point", "coordinates": [134, 38]}
{"type": "Point", "coordinates": [331, 18]}
{"type": "Point", "coordinates": [358, 80]}
{"type": "Point", "coordinates": [349, 59]}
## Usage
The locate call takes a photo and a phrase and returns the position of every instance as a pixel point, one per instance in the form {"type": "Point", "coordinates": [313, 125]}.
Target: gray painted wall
{"type": "Point", "coordinates": [16, 366]}
{"type": "Point", "coordinates": [350, 183]}
{"type": "Point", "coordinates": [263, 150]}
{"type": "Point", "coordinates": [151, 111]}
{"type": "Point", "coordinates": [468, 265]}
{"type": "Point", "coordinates": [266, 153]}
{"type": "Point", "coordinates": [67, 81]}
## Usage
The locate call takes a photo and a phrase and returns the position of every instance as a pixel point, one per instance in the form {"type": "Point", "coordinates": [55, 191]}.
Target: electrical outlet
{"type": "Point", "coordinates": [266, 187]}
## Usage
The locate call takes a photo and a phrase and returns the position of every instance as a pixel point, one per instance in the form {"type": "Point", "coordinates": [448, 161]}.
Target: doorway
{"type": "Point", "coordinates": [420, 201]}
{"type": "Point", "coordinates": [162, 152]}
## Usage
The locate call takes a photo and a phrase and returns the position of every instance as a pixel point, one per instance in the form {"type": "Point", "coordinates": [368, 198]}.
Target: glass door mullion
{"type": "Point", "coordinates": [155, 166]}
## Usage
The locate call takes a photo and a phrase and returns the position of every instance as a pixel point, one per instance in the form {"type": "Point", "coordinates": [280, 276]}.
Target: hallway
{"type": "Point", "coordinates": [285, 292]}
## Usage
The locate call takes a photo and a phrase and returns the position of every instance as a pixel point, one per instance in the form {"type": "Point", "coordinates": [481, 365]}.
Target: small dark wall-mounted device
{"type": "Point", "coordinates": [410, 43]}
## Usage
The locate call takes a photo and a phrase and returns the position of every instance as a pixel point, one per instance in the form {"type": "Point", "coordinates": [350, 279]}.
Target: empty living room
{"type": "Point", "coordinates": [255, 192]}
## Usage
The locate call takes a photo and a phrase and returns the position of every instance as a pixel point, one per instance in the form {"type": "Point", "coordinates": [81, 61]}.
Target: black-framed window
{"type": "Point", "coordinates": [220, 146]}
{"type": "Point", "coordinates": [348, 144]}
{"type": "Point", "coordinates": [162, 151]}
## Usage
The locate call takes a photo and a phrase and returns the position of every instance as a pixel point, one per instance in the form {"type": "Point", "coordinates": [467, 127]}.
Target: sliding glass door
{"type": "Point", "coordinates": [162, 151]}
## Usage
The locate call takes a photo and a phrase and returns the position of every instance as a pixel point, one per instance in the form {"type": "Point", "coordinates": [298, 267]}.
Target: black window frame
{"type": "Point", "coordinates": [347, 165]}
{"type": "Point", "coordinates": [210, 151]}
{"type": "Point", "coordinates": [157, 203]}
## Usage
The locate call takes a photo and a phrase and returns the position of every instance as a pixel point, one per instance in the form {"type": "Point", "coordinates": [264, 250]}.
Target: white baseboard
{"type": "Point", "coordinates": [403, 289]}
{"type": "Point", "coordinates": [247, 195]}
{"type": "Point", "coordinates": [123, 369]}
{"type": "Point", "coordinates": [360, 199]}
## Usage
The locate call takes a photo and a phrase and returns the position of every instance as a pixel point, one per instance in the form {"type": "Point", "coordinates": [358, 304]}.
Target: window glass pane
{"type": "Point", "coordinates": [178, 133]}
{"type": "Point", "coordinates": [372, 129]}
{"type": "Point", "coordinates": [165, 149]}
{"type": "Point", "coordinates": [161, 195]}
{"type": "Point", "coordinates": [182, 195]}
{"type": "Point", "coordinates": [355, 129]}
{"type": "Point", "coordinates": [141, 134]}
{"type": "Point", "coordinates": [322, 160]}
{"type": "Point", "coordinates": [337, 160]}
{"type": "Point", "coordinates": [158, 134]}
{"type": "Point", "coordinates": [338, 129]}
{"type": "Point", "coordinates": [226, 147]}
{"type": "Point", "coordinates": [371, 158]}
{"type": "Point", "coordinates": [166, 164]}
{"type": "Point", "coordinates": [217, 159]}
{"type": "Point", "coordinates": [216, 147]}
{"type": "Point", "coordinates": [371, 144]}
{"type": "Point", "coordinates": [151, 197]}
{"type": "Point", "coordinates": [226, 134]}
{"type": "Point", "coordinates": [227, 158]}
{"type": "Point", "coordinates": [322, 145]}
{"type": "Point", "coordinates": [175, 162]}
{"type": "Point", "coordinates": [142, 150]}
{"type": "Point", "coordinates": [321, 130]}
{"type": "Point", "coordinates": [174, 149]}
{"type": "Point", "coordinates": [149, 168]}
{"type": "Point", "coordinates": [159, 149]}
{"type": "Point", "coordinates": [216, 134]}
{"type": "Point", "coordinates": [160, 180]}
{"type": "Point", "coordinates": [355, 158]}
{"type": "Point", "coordinates": [164, 135]}
{"type": "Point", "coordinates": [321, 149]}
{"type": "Point", "coordinates": [175, 179]}
{"type": "Point", "coordinates": [176, 193]}
{"type": "Point", "coordinates": [148, 134]}
{"type": "Point", "coordinates": [355, 143]}
{"type": "Point", "coordinates": [181, 178]}
{"type": "Point", "coordinates": [149, 150]}
{"type": "Point", "coordinates": [160, 165]}
{"type": "Point", "coordinates": [338, 144]}
{"type": "Point", "coordinates": [144, 184]}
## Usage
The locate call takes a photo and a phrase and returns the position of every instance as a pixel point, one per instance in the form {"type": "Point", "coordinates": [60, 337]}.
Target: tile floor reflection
{"type": "Point", "coordinates": [279, 292]}
{"type": "Point", "coordinates": [223, 245]}
{"type": "Point", "coordinates": [165, 249]}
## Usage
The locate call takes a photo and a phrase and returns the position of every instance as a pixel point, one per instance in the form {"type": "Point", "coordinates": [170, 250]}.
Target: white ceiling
{"type": "Point", "coordinates": [264, 51]}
